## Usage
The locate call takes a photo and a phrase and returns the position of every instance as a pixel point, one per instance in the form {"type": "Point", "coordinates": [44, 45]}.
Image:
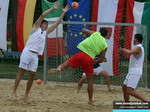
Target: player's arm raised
{"type": "Point", "coordinates": [40, 19]}
{"type": "Point", "coordinates": [53, 26]}
{"type": "Point", "coordinates": [136, 50]}
{"type": "Point", "coordinates": [86, 32]}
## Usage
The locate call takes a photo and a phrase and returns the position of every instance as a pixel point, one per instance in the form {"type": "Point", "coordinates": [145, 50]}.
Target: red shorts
{"type": "Point", "coordinates": [83, 60]}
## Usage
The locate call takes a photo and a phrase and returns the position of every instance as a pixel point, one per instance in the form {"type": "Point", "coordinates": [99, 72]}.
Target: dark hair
{"type": "Point", "coordinates": [139, 37]}
{"type": "Point", "coordinates": [103, 32]}
{"type": "Point", "coordinates": [44, 21]}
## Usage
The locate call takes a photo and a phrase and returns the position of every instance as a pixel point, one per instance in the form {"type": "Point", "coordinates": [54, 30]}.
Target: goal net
{"type": "Point", "coordinates": [63, 45]}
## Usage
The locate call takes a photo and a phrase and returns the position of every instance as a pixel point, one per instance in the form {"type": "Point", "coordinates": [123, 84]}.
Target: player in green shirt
{"type": "Point", "coordinates": [89, 48]}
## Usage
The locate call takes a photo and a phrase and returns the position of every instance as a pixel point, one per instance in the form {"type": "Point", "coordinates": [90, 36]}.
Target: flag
{"type": "Point", "coordinates": [23, 13]}
{"type": "Point", "coordinates": [3, 23]}
{"type": "Point", "coordinates": [137, 12]}
{"type": "Point", "coordinates": [74, 31]}
{"type": "Point", "coordinates": [56, 45]}
{"type": "Point", "coordinates": [109, 11]}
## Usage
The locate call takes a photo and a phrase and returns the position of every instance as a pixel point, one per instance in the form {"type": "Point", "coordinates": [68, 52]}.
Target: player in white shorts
{"type": "Point", "coordinates": [99, 72]}
{"type": "Point", "coordinates": [34, 47]}
{"type": "Point", "coordinates": [135, 69]}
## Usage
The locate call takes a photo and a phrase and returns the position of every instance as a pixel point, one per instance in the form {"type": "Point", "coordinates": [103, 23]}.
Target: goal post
{"type": "Point", "coordinates": [117, 64]}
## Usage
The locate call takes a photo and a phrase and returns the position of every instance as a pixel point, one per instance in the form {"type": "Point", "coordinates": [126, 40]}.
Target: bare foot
{"type": "Point", "coordinates": [111, 90]}
{"type": "Point", "coordinates": [14, 97]}
{"type": "Point", "coordinates": [91, 102]}
{"type": "Point", "coordinates": [25, 99]}
{"type": "Point", "coordinates": [76, 91]}
{"type": "Point", "coordinates": [53, 70]}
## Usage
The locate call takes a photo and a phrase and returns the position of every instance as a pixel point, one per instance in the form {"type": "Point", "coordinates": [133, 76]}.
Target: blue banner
{"type": "Point", "coordinates": [74, 31]}
{"type": "Point", "coordinates": [131, 110]}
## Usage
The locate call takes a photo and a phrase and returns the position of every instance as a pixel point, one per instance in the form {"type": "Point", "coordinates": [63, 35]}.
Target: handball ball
{"type": "Point", "coordinates": [39, 81]}
{"type": "Point", "coordinates": [75, 5]}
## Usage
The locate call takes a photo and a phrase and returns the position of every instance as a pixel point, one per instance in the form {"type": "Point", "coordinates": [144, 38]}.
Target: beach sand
{"type": "Point", "coordinates": [59, 97]}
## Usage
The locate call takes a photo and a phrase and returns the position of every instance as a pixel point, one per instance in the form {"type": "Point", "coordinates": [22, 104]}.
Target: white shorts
{"type": "Point", "coordinates": [28, 61]}
{"type": "Point", "coordinates": [132, 80]}
{"type": "Point", "coordinates": [96, 70]}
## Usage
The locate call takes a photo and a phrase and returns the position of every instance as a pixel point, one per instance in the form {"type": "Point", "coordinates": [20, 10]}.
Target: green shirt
{"type": "Point", "coordinates": [93, 45]}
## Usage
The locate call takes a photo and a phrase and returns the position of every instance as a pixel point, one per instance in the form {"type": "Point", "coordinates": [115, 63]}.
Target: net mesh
{"type": "Point", "coordinates": [117, 63]}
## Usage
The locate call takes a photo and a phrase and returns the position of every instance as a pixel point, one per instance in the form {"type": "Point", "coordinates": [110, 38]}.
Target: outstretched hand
{"type": "Point", "coordinates": [121, 49]}
{"type": "Point", "coordinates": [55, 6]}
{"type": "Point", "coordinates": [65, 9]}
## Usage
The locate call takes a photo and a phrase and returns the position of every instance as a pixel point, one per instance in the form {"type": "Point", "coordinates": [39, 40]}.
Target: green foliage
{"type": "Point", "coordinates": [142, 0]}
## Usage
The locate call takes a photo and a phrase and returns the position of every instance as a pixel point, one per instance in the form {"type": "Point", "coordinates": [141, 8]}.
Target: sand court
{"type": "Point", "coordinates": [59, 97]}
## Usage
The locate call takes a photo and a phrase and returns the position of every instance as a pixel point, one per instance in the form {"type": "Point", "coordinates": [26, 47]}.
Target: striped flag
{"type": "Point", "coordinates": [137, 12]}
{"type": "Point", "coordinates": [3, 23]}
{"type": "Point", "coordinates": [23, 13]}
{"type": "Point", "coordinates": [109, 11]}
{"type": "Point", "coordinates": [56, 44]}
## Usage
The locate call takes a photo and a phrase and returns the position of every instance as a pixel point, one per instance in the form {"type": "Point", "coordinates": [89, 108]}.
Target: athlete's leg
{"type": "Point", "coordinates": [29, 84]}
{"type": "Point", "coordinates": [134, 93]}
{"type": "Point", "coordinates": [125, 94]}
{"type": "Point", "coordinates": [17, 81]}
{"type": "Point", "coordinates": [107, 79]}
{"type": "Point", "coordinates": [131, 83]}
{"type": "Point", "coordinates": [90, 87]}
{"type": "Point", "coordinates": [59, 68]}
{"type": "Point", "coordinates": [80, 84]}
